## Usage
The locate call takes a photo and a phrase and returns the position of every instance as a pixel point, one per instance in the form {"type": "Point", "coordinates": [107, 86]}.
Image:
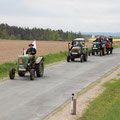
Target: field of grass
{"type": "Point", "coordinates": [49, 59]}
{"type": "Point", "coordinates": [107, 105]}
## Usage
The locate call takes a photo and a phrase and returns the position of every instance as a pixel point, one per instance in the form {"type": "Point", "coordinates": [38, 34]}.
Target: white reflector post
{"type": "Point", "coordinates": [34, 43]}
{"type": "Point", "coordinates": [73, 104]}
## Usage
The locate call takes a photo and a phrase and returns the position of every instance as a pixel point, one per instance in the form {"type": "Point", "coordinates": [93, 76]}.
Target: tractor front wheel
{"type": "Point", "coordinates": [32, 74]}
{"type": "Point", "coordinates": [68, 58]}
{"type": "Point", "coordinates": [12, 73]}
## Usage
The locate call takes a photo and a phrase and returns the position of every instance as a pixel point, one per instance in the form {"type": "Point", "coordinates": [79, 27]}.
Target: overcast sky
{"type": "Point", "coordinates": [69, 15]}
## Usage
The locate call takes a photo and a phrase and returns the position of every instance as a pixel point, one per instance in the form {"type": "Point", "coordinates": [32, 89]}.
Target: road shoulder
{"type": "Point", "coordinates": [84, 98]}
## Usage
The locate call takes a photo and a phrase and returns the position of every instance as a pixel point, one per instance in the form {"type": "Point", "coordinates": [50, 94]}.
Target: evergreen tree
{"type": "Point", "coordinates": [13, 32]}
{"type": "Point", "coordinates": [12, 37]}
{"type": "Point", "coordinates": [4, 34]}
{"type": "Point", "coordinates": [18, 37]}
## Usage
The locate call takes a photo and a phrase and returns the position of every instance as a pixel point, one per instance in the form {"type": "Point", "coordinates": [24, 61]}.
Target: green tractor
{"type": "Point", "coordinates": [28, 63]}
{"type": "Point", "coordinates": [77, 50]}
{"type": "Point", "coordinates": [98, 48]}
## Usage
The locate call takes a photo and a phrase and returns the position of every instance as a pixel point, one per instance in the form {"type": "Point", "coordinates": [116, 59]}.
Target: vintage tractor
{"type": "Point", "coordinates": [109, 47]}
{"type": "Point", "coordinates": [77, 50]}
{"type": "Point", "coordinates": [28, 63]}
{"type": "Point", "coordinates": [98, 48]}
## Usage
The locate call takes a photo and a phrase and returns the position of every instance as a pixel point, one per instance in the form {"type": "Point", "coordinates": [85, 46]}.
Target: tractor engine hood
{"type": "Point", "coordinates": [75, 50]}
{"type": "Point", "coordinates": [23, 61]}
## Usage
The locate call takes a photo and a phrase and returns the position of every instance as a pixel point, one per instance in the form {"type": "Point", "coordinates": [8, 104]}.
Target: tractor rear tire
{"type": "Point", "coordinates": [12, 73]}
{"type": "Point", "coordinates": [103, 52]}
{"type": "Point", "coordinates": [93, 53]}
{"type": "Point", "coordinates": [111, 51]}
{"type": "Point", "coordinates": [89, 52]}
{"type": "Point", "coordinates": [100, 52]}
{"type": "Point", "coordinates": [21, 74]}
{"type": "Point", "coordinates": [85, 57]}
{"type": "Point", "coordinates": [32, 74]}
{"type": "Point", "coordinates": [107, 52]}
{"type": "Point", "coordinates": [40, 69]}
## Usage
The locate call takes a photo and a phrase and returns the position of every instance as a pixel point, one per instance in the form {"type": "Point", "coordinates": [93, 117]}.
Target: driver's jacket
{"type": "Point", "coordinates": [31, 51]}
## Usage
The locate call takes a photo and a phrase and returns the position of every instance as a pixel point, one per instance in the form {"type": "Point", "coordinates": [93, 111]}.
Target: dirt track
{"type": "Point", "coordinates": [10, 49]}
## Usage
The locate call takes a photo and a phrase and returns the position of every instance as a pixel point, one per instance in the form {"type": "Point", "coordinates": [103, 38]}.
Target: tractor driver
{"type": "Point", "coordinates": [31, 50]}
{"type": "Point", "coordinates": [111, 39]}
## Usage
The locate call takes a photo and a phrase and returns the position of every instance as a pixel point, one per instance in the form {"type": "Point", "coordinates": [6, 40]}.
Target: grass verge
{"type": "Point", "coordinates": [49, 59]}
{"type": "Point", "coordinates": [107, 105]}
{"type": "Point", "coordinates": [55, 57]}
{"type": "Point", "coordinates": [4, 69]}
{"type": "Point", "coordinates": [116, 46]}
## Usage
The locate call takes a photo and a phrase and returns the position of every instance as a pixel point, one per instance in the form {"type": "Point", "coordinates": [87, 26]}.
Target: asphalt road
{"type": "Point", "coordinates": [22, 99]}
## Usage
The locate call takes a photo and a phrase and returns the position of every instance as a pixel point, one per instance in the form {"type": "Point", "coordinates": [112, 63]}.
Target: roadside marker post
{"type": "Point", "coordinates": [73, 104]}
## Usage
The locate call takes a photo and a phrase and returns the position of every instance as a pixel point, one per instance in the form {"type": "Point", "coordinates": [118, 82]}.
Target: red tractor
{"type": "Point", "coordinates": [109, 47]}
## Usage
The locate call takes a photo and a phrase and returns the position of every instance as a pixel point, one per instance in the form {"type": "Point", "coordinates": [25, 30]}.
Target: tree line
{"type": "Point", "coordinates": [19, 33]}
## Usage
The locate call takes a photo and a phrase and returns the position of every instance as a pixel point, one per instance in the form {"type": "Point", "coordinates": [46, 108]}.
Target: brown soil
{"type": "Point", "coordinates": [83, 100]}
{"type": "Point", "coordinates": [10, 49]}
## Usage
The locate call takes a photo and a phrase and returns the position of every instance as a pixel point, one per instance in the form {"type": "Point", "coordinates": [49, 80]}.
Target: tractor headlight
{"type": "Point", "coordinates": [28, 64]}
{"type": "Point", "coordinates": [20, 61]}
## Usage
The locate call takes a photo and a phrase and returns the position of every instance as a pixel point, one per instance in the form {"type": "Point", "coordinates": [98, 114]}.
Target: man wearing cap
{"type": "Point", "coordinates": [111, 39]}
{"type": "Point", "coordinates": [31, 50]}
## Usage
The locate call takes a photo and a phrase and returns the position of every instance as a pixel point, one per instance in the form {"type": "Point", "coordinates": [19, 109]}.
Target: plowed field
{"type": "Point", "coordinates": [10, 49]}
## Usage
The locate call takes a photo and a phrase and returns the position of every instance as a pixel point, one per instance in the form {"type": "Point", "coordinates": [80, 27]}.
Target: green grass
{"type": "Point", "coordinates": [49, 59]}
{"type": "Point", "coordinates": [55, 57]}
{"type": "Point", "coordinates": [116, 46]}
{"type": "Point", "coordinates": [4, 69]}
{"type": "Point", "coordinates": [118, 74]}
{"type": "Point", "coordinates": [107, 105]}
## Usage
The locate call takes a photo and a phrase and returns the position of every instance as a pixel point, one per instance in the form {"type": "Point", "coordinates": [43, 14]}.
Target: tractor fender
{"type": "Point", "coordinates": [39, 59]}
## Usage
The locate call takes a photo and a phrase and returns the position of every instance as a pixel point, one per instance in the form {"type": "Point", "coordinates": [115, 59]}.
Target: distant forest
{"type": "Point", "coordinates": [19, 33]}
